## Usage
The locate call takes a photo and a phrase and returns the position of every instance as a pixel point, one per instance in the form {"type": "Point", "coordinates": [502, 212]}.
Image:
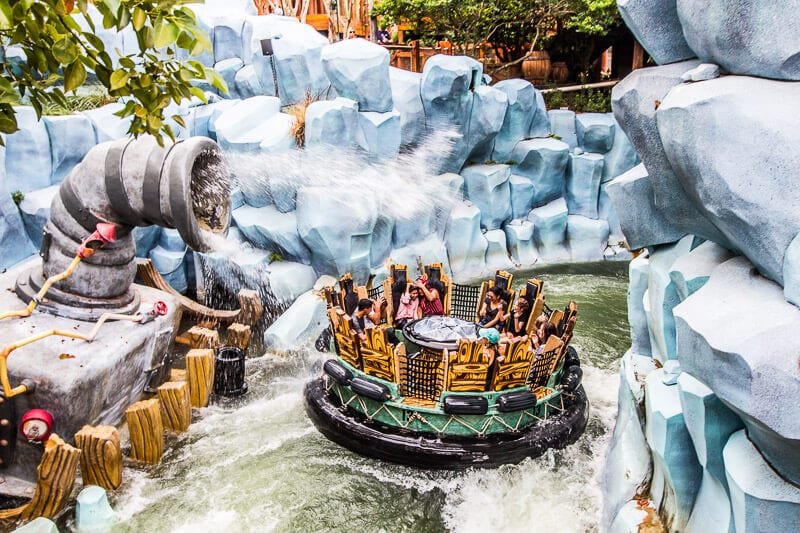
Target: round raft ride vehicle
{"type": "Point", "coordinates": [434, 399]}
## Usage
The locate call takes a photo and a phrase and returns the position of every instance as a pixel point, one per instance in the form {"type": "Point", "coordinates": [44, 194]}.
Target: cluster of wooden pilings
{"type": "Point", "coordinates": [98, 449]}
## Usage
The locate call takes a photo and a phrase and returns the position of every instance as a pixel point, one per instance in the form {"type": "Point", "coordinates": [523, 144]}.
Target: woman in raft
{"type": "Point", "coordinates": [431, 301]}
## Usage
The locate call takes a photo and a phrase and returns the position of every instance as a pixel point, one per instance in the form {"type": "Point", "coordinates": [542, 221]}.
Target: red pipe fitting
{"type": "Point", "coordinates": [104, 234]}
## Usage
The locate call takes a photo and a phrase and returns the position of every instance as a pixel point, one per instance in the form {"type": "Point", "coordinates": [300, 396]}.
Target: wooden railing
{"type": "Point", "coordinates": [413, 56]}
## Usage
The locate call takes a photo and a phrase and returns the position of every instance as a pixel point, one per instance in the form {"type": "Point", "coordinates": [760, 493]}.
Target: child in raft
{"type": "Point", "coordinates": [409, 308]}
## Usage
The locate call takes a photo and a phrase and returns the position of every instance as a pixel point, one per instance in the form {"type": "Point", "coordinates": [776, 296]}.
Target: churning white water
{"type": "Point", "coordinates": [258, 464]}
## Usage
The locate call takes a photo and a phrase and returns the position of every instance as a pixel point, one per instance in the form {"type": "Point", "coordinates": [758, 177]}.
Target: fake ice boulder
{"type": "Point", "coordinates": [550, 230]}
{"type": "Point", "coordinates": [227, 68]}
{"type": "Point", "coordinates": [596, 131]}
{"type": "Point", "coordinates": [638, 272]}
{"type": "Point", "coordinates": [169, 264]}
{"type": "Point", "coordinates": [71, 137]}
{"type": "Point", "coordinates": [522, 192]}
{"type": "Point", "coordinates": [584, 173]}
{"type": "Point", "coordinates": [691, 271]}
{"type": "Point", "coordinates": [332, 122]}
{"type": "Point", "coordinates": [488, 112]}
{"type": "Point", "coordinates": [431, 250]}
{"type": "Point", "coordinates": [359, 70]}
{"type": "Point", "coordinates": [562, 125]}
{"type": "Point", "coordinates": [407, 101]}
{"type": "Point", "coordinates": [301, 324]}
{"type": "Point", "coordinates": [543, 161]}
{"type": "Point", "coordinates": [28, 162]}
{"type": "Point", "coordinates": [379, 134]}
{"type": "Point", "coordinates": [642, 223]}
{"type": "Point", "coordinates": [337, 230]}
{"type": "Point", "coordinates": [656, 25]}
{"type": "Point", "coordinates": [487, 187]}
{"type": "Point", "coordinates": [466, 245]}
{"type": "Point", "coordinates": [635, 101]}
{"type": "Point", "coordinates": [246, 82]}
{"type": "Point", "coordinates": [277, 134]}
{"type": "Point", "coordinates": [269, 229]}
{"type": "Point", "coordinates": [107, 126]}
{"type": "Point", "coordinates": [522, 106]}
{"type": "Point", "coordinates": [753, 40]}
{"type": "Point", "coordinates": [739, 337]}
{"type": "Point", "coordinates": [587, 238]}
{"type": "Point", "coordinates": [497, 251]}
{"type": "Point", "coordinates": [16, 245]}
{"type": "Point", "coordinates": [755, 206]}
{"type": "Point", "coordinates": [519, 237]}
{"type": "Point", "coordinates": [35, 210]}
{"type": "Point", "coordinates": [240, 127]}
{"type": "Point", "coordinates": [621, 158]}
{"type": "Point", "coordinates": [289, 280]}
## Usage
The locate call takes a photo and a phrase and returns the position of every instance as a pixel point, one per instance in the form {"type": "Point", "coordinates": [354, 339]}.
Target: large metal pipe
{"type": "Point", "coordinates": [129, 183]}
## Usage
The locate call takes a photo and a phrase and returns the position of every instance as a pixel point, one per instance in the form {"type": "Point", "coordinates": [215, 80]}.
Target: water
{"type": "Point", "coordinates": [258, 464]}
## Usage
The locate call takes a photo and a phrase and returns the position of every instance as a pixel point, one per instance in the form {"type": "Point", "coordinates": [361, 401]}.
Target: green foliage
{"type": "Point", "coordinates": [584, 101]}
{"type": "Point", "coordinates": [84, 102]}
{"type": "Point", "coordinates": [594, 17]}
{"type": "Point", "coordinates": [59, 53]}
{"type": "Point", "coordinates": [17, 197]}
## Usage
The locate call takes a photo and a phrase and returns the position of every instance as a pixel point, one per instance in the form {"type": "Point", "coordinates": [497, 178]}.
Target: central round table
{"type": "Point", "coordinates": [440, 332]}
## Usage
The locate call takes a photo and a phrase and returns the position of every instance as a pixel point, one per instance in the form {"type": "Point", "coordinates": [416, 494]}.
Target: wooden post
{"type": "Point", "coordinates": [147, 431]}
{"type": "Point", "coordinates": [238, 335]}
{"type": "Point", "coordinates": [250, 307]}
{"type": "Point", "coordinates": [56, 477]}
{"type": "Point", "coordinates": [200, 337]}
{"type": "Point", "coordinates": [200, 373]}
{"type": "Point", "coordinates": [638, 55]}
{"type": "Point", "coordinates": [415, 59]}
{"type": "Point", "coordinates": [176, 407]}
{"type": "Point", "coordinates": [101, 457]}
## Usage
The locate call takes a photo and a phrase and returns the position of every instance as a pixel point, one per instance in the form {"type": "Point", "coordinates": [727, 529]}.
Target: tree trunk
{"type": "Point", "coordinates": [101, 457]}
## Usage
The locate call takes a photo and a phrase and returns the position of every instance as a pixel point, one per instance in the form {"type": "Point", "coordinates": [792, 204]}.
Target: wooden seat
{"type": "Point", "coordinates": [346, 340]}
{"type": "Point", "coordinates": [434, 271]}
{"type": "Point", "coordinates": [467, 368]}
{"type": "Point", "coordinates": [377, 355]}
{"type": "Point", "coordinates": [393, 289]}
{"type": "Point", "coordinates": [543, 366]}
{"type": "Point", "coordinates": [533, 292]}
{"type": "Point", "coordinates": [503, 280]}
{"type": "Point", "coordinates": [349, 294]}
{"type": "Point", "coordinates": [515, 368]}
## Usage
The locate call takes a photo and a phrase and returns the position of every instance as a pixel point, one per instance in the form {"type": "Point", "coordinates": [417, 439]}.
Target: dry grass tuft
{"type": "Point", "coordinates": [298, 111]}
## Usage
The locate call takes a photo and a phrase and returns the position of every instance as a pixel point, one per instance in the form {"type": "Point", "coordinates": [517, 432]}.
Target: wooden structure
{"type": "Point", "coordinates": [146, 431]}
{"type": "Point", "coordinates": [200, 375]}
{"type": "Point", "coordinates": [467, 368]}
{"type": "Point", "coordinates": [238, 335]}
{"type": "Point", "coordinates": [377, 355]}
{"type": "Point", "coordinates": [544, 365]}
{"type": "Point", "coordinates": [346, 340]}
{"type": "Point", "coordinates": [176, 405]}
{"type": "Point", "coordinates": [200, 337]}
{"type": "Point", "coordinates": [101, 456]}
{"type": "Point", "coordinates": [413, 56]}
{"type": "Point", "coordinates": [513, 371]}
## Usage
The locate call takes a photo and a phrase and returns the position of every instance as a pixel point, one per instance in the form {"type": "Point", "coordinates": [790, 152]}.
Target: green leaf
{"type": "Point", "coordinates": [179, 120]}
{"type": "Point", "coordinates": [123, 16]}
{"type": "Point", "coordinates": [74, 76]}
{"type": "Point", "coordinates": [127, 62]}
{"type": "Point", "coordinates": [6, 20]}
{"type": "Point", "coordinates": [165, 33]}
{"type": "Point", "coordinates": [65, 51]}
{"type": "Point", "coordinates": [7, 93]}
{"type": "Point", "coordinates": [215, 79]}
{"type": "Point", "coordinates": [95, 41]}
{"type": "Point", "coordinates": [139, 18]}
{"type": "Point", "coordinates": [119, 78]}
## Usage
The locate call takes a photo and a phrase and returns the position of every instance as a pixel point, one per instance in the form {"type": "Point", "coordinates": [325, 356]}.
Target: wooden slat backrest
{"type": "Point", "coordinates": [544, 363]}
{"type": "Point", "coordinates": [536, 312]}
{"type": "Point", "coordinates": [514, 370]}
{"type": "Point", "coordinates": [467, 368]}
{"type": "Point", "coordinates": [348, 342]}
{"type": "Point", "coordinates": [377, 355]}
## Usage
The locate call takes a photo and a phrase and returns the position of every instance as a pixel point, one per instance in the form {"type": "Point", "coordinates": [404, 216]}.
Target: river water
{"type": "Point", "coordinates": [258, 464]}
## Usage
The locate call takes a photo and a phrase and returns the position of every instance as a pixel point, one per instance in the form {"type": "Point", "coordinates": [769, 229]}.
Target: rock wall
{"type": "Point", "coordinates": [708, 429]}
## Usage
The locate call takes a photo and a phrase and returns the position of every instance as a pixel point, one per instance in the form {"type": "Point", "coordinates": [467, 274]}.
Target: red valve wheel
{"type": "Point", "coordinates": [160, 308]}
{"type": "Point", "coordinates": [36, 425]}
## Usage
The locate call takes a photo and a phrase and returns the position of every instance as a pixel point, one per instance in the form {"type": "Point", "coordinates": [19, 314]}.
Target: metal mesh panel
{"type": "Point", "coordinates": [463, 301]}
{"type": "Point", "coordinates": [373, 294]}
{"type": "Point", "coordinates": [423, 376]}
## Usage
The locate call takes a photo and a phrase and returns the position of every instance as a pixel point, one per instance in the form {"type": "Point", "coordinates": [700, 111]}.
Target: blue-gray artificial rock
{"type": "Point", "coordinates": [638, 274]}
{"type": "Point", "coordinates": [606, 211]}
{"type": "Point", "coordinates": [430, 250]}
{"type": "Point", "coordinates": [562, 126]}
{"type": "Point", "coordinates": [621, 158]}
{"type": "Point", "coordinates": [628, 465]}
{"type": "Point", "coordinates": [706, 71]}
{"type": "Point", "coordinates": [540, 123]}
{"type": "Point", "coordinates": [383, 238]}
{"type": "Point", "coordinates": [240, 128]}
{"type": "Point", "coordinates": [755, 206]}
{"type": "Point", "coordinates": [595, 131]}
{"type": "Point", "coordinates": [691, 271]}
{"type": "Point", "coordinates": [296, 56]}
{"type": "Point", "coordinates": [227, 68]}
{"type": "Point", "coordinates": [71, 137]}
{"type": "Point", "coordinates": [92, 510]}
{"type": "Point", "coordinates": [246, 82]}
{"type": "Point", "coordinates": [635, 101]}
{"type": "Point", "coordinates": [169, 264]}
{"type": "Point", "coordinates": [738, 336]}
{"type": "Point", "coordinates": [269, 229]}
{"type": "Point", "coordinates": [454, 184]}
{"type": "Point", "coordinates": [487, 187]}
{"type": "Point", "coordinates": [587, 238]}
{"type": "Point", "coordinates": [446, 91]}
{"type": "Point", "coordinates": [676, 471]}
{"type": "Point", "coordinates": [642, 223]}
{"type": "Point", "coordinates": [407, 100]}
{"type": "Point", "coordinates": [299, 325]}
{"type": "Point", "coordinates": [359, 70]}
{"type": "Point", "coordinates": [107, 126]}
{"type": "Point", "coordinates": [337, 230]}
{"type": "Point", "coordinates": [171, 240]}
{"type": "Point", "coordinates": [550, 230]}
{"type": "Point", "coordinates": [277, 134]}
{"type": "Point", "coordinates": [28, 162]}
{"type": "Point", "coordinates": [791, 272]}
{"type": "Point", "coordinates": [16, 245]}
{"type": "Point", "coordinates": [712, 507]}
{"type": "Point", "coordinates": [761, 499]}
{"type": "Point", "coordinates": [584, 173]}
{"type": "Point", "coordinates": [332, 123]}
{"type": "Point", "coordinates": [146, 238]}
{"type": "Point", "coordinates": [656, 25]}
{"type": "Point", "coordinates": [228, 37]}
{"type": "Point", "coordinates": [519, 237]}
{"type": "Point", "coordinates": [489, 107]}
{"type": "Point", "coordinates": [289, 280]}
{"type": "Point", "coordinates": [497, 251]}
{"type": "Point", "coordinates": [522, 192]}
{"type": "Point", "coordinates": [544, 162]}
{"type": "Point", "coordinates": [522, 106]}
{"type": "Point", "coordinates": [35, 210]}
{"type": "Point", "coordinates": [413, 224]}
{"type": "Point", "coordinates": [466, 245]}
{"type": "Point", "coordinates": [201, 117]}
{"type": "Point", "coordinates": [216, 112]}
{"type": "Point", "coordinates": [379, 134]}
{"type": "Point", "coordinates": [749, 39]}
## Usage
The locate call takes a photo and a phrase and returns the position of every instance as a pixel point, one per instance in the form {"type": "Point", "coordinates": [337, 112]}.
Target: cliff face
{"type": "Point", "coordinates": [708, 429]}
